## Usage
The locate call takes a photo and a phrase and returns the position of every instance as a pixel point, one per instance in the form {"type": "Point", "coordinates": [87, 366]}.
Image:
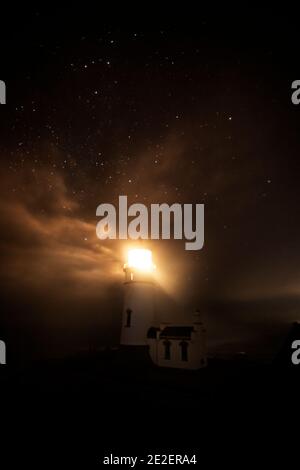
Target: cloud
{"type": "Point", "coordinates": [46, 243]}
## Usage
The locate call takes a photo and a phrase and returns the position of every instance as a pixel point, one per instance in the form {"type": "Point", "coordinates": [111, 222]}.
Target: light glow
{"type": "Point", "coordinates": [140, 259]}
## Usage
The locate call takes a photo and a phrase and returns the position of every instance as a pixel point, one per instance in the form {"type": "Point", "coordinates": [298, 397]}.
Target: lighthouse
{"type": "Point", "coordinates": [139, 303]}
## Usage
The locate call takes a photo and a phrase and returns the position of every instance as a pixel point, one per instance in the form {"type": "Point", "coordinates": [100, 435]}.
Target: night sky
{"type": "Point", "coordinates": [188, 111]}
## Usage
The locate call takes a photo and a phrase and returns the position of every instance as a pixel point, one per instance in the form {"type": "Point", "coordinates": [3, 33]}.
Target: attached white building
{"type": "Point", "coordinates": [179, 346]}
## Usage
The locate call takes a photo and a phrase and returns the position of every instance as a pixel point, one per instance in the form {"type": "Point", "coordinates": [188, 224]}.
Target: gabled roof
{"type": "Point", "coordinates": [177, 332]}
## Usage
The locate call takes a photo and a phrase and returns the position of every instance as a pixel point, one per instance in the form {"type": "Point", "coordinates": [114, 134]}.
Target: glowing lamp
{"type": "Point", "coordinates": [140, 259]}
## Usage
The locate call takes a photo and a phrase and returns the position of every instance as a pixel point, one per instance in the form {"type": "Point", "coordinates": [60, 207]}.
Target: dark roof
{"type": "Point", "coordinates": [177, 332]}
{"type": "Point", "coordinates": [152, 332]}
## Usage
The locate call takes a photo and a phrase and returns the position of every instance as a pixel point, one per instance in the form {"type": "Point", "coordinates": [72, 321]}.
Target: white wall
{"type": "Point", "coordinates": [139, 298]}
{"type": "Point", "coordinates": [196, 352]}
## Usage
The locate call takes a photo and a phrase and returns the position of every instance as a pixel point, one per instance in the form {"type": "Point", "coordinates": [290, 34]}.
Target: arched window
{"type": "Point", "coordinates": [184, 350]}
{"type": "Point", "coordinates": [128, 318]}
{"type": "Point", "coordinates": [167, 346]}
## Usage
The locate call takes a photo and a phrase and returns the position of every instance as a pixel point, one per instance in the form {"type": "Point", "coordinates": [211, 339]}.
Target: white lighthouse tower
{"type": "Point", "coordinates": [139, 303]}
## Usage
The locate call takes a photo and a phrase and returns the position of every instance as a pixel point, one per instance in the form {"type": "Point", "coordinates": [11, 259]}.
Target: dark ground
{"type": "Point", "coordinates": [73, 412]}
